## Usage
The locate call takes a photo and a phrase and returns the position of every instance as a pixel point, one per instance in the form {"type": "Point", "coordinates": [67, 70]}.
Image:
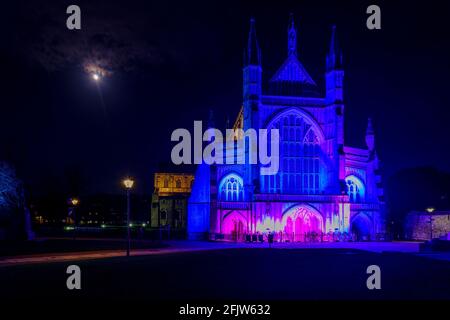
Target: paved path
{"type": "Point", "coordinates": [230, 275]}
{"type": "Point", "coordinates": [189, 246]}
{"type": "Point", "coordinates": [404, 246]}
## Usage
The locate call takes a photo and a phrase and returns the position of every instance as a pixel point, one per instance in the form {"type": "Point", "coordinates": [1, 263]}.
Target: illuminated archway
{"type": "Point", "coordinates": [234, 224]}
{"type": "Point", "coordinates": [301, 220]}
{"type": "Point", "coordinates": [361, 227]}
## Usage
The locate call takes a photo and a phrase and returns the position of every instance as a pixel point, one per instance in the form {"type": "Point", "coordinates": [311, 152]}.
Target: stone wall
{"type": "Point", "coordinates": [417, 225]}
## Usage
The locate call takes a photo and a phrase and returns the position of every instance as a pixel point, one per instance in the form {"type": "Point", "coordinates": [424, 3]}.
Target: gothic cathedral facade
{"type": "Point", "coordinates": [322, 187]}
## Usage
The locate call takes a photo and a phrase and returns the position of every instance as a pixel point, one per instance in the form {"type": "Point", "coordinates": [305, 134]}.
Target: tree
{"type": "Point", "coordinates": [10, 193]}
{"type": "Point", "coordinates": [14, 216]}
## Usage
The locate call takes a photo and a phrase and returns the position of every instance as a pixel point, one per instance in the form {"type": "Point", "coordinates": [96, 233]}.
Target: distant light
{"type": "Point", "coordinates": [68, 228]}
{"type": "Point", "coordinates": [130, 224]}
{"type": "Point", "coordinates": [144, 224]}
{"type": "Point", "coordinates": [96, 77]}
{"type": "Point", "coordinates": [103, 225]}
{"type": "Point", "coordinates": [430, 209]}
{"type": "Point", "coordinates": [74, 201]}
{"type": "Point", "coordinates": [128, 183]}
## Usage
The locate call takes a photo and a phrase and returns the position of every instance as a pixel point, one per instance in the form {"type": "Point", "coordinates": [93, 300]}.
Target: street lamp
{"type": "Point", "coordinates": [430, 211]}
{"type": "Point", "coordinates": [74, 202]}
{"type": "Point", "coordinates": [128, 183]}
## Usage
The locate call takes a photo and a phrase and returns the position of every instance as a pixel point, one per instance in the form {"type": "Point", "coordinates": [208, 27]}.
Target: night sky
{"type": "Point", "coordinates": [170, 62]}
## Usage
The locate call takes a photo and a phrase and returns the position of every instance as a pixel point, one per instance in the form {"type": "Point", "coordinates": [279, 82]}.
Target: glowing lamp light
{"type": "Point", "coordinates": [130, 225]}
{"type": "Point", "coordinates": [96, 76]}
{"type": "Point", "coordinates": [144, 224]}
{"type": "Point", "coordinates": [74, 201]}
{"type": "Point", "coordinates": [430, 210]}
{"type": "Point", "coordinates": [128, 183]}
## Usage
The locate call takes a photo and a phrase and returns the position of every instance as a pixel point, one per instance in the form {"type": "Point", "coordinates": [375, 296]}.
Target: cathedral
{"type": "Point", "coordinates": [323, 187]}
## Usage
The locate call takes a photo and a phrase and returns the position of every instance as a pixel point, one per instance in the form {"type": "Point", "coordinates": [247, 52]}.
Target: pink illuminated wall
{"type": "Point", "coordinates": [298, 220]}
{"type": "Point", "coordinates": [234, 224]}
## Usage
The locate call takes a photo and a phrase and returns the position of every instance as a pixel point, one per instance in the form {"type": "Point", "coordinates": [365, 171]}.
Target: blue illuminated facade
{"type": "Point", "coordinates": [323, 187]}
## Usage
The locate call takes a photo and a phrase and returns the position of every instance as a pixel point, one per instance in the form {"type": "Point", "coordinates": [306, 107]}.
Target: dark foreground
{"type": "Point", "coordinates": [67, 245]}
{"type": "Point", "coordinates": [235, 274]}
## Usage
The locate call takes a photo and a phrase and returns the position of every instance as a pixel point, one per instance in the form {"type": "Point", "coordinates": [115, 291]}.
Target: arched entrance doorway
{"type": "Point", "coordinates": [361, 227]}
{"type": "Point", "coordinates": [302, 223]}
{"type": "Point", "coordinates": [234, 226]}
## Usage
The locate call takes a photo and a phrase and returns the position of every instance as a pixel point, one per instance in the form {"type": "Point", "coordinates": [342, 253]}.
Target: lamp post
{"type": "Point", "coordinates": [128, 183]}
{"type": "Point", "coordinates": [430, 211]}
{"type": "Point", "coordinates": [74, 202]}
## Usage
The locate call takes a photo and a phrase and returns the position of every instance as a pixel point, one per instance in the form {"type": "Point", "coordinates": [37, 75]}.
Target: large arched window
{"type": "Point", "coordinates": [300, 155]}
{"type": "Point", "coordinates": [231, 188]}
{"type": "Point", "coordinates": [355, 189]}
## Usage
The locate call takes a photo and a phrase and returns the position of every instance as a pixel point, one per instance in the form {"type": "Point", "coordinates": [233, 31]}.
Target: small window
{"type": "Point", "coordinates": [178, 183]}
{"type": "Point", "coordinates": [231, 188]}
{"type": "Point", "coordinates": [355, 189]}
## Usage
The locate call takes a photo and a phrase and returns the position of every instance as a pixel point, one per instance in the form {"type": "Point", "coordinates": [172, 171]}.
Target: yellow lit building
{"type": "Point", "coordinates": [169, 199]}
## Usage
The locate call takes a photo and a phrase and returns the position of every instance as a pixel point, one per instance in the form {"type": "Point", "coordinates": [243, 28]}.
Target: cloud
{"type": "Point", "coordinates": [107, 42]}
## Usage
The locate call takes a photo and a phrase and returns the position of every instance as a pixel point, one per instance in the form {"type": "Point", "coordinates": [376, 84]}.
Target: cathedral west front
{"type": "Point", "coordinates": [323, 186]}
